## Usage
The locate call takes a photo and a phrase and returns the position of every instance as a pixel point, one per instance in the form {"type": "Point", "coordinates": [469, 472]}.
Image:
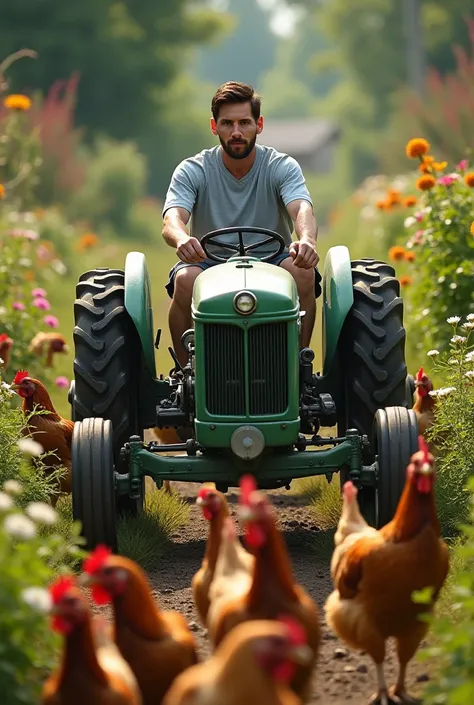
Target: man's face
{"type": "Point", "coordinates": [237, 129]}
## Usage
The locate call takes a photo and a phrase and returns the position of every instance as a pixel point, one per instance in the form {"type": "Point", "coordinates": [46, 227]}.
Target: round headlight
{"type": "Point", "coordinates": [245, 302]}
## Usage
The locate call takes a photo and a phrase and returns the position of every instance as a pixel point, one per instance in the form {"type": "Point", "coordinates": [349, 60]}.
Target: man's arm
{"type": "Point", "coordinates": [176, 235]}
{"type": "Point", "coordinates": [304, 251]}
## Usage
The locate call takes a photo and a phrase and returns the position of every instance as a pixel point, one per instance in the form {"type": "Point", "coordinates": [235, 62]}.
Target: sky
{"type": "Point", "coordinates": [283, 17]}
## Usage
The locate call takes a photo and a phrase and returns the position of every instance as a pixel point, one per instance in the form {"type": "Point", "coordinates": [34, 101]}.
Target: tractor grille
{"type": "Point", "coordinates": [225, 369]}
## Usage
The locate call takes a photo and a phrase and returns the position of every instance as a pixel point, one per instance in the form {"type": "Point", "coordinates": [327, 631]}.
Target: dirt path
{"type": "Point", "coordinates": [341, 676]}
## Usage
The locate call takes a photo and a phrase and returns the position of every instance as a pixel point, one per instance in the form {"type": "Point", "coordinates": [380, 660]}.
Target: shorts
{"type": "Point", "coordinates": [205, 264]}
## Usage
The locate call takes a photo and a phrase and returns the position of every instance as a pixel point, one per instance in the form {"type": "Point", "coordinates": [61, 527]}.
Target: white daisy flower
{"type": "Point", "coordinates": [453, 285]}
{"type": "Point", "coordinates": [458, 339]}
{"type": "Point", "coordinates": [469, 325]}
{"type": "Point", "coordinates": [30, 447]}
{"type": "Point", "coordinates": [470, 317]}
{"type": "Point", "coordinates": [42, 513]}
{"type": "Point", "coordinates": [13, 487]}
{"type": "Point", "coordinates": [6, 502]}
{"type": "Point", "coordinates": [459, 270]}
{"type": "Point", "coordinates": [441, 279]}
{"type": "Point", "coordinates": [470, 356]}
{"type": "Point", "coordinates": [37, 598]}
{"type": "Point", "coordinates": [452, 320]}
{"type": "Point", "coordinates": [469, 374]}
{"type": "Point", "coordinates": [409, 221]}
{"type": "Point", "coordinates": [432, 353]}
{"type": "Point", "coordinates": [19, 526]}
{"type": "Point", "coordinates": [425, 312]}
{"type": "Point", "coordinates": [7, 387]}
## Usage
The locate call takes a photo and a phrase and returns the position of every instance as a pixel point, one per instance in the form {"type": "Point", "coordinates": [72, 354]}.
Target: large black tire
{"type": "Point", "coordinates": [106, 363]}
{"type": "Point", "coordinates": [372, 349]}
{"type": "Point", "coordinates": [395, 439]}
{"type": "Point", "coordinates": [93, 485]}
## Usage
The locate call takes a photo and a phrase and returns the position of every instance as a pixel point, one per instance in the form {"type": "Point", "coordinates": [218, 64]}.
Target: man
{"type": "Point", "coordinates": [238, 183]}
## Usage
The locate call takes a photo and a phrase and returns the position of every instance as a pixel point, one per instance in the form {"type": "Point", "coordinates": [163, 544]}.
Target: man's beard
{"type": "Point", "coordinates": [238, 154]}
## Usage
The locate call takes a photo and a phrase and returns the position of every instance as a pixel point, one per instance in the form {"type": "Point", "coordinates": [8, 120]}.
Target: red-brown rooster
{"type": "Point", "coordinates": [6, 344]}
{"type": "Point", "coordinates": [273, 590]}
{"type": "Point", "coordinates": [158, 645]}
{"type": "Point", "coordinates": [49, 344]}
{"type": "Point", "coordinates": [92, 670]}
{"type": "Point", "coordinates": [377, 575]}
{"type": "Point", "coordinates": [50, 430]}
{"type": "Point", "coordinates": [424, 404]}
{"type": "Point", "coordinates": [253, 665]}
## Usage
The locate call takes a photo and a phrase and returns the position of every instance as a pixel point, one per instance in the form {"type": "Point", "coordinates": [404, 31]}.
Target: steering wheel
{"type": "Point", "coordinates": [242, 249]}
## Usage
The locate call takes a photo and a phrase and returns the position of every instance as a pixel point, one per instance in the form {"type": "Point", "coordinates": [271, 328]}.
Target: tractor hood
{"type": "Point", "coordinates": [273, 287]}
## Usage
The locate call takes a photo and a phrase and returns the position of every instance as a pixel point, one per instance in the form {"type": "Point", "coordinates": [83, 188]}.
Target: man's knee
{"type": "Point", "coordinates": [183, 285]}
{"type": "Point", "coordinates": [304, 278]}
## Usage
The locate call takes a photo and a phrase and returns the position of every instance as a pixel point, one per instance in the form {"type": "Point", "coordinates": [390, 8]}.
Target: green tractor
{"type": "Point", "coordinates": [248, 399]}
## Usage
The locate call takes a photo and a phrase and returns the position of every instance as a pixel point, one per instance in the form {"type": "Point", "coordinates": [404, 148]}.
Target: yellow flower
{"type": "Point", "coordinates": [16, 101]}
{"type": "Point", "coordinates": [2, 191]}
{"type": "Point", "coordinates": [426, 182]}
{"type": "Point", "coordinates": [469, 179]}
{"type": "Point", "coordinates": [405, 280]}
{"type": "Point", "coordinates": [417, 147]}
{"type": "Point", "coordinates": [396, 253]}
{"type": "Point", "coordinates": [472, 228]}
{"type": "Point", "coordinates": [439, 166]}
{"type": "Point", "coordinates": [410, 201]}
{"type": "Point", "coordinates": [426, 162]}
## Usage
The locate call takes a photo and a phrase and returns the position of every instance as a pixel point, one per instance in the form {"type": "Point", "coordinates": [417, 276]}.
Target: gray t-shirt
{"type": "Point", "coordinates": [216, 199]}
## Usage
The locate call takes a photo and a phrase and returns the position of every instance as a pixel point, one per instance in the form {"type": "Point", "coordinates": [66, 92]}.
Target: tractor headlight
{"type": "Point", "coordinates": [245, 302]}
{"type": "Point", "coordinates": [247, 442]}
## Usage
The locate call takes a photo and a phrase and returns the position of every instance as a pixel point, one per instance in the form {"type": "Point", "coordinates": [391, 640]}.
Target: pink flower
{"type": "Point", "coordinates": [51, 321]}
{"type": "Point", "coordinates": [418, 216]}
{"type": "Point", "coordinates": [41, 303]}
{"type": "Point", "coordinates": [62, 382]}
{"type": "Point", "coordinates": [43, 252]}
{"type": "Point", "coordinates": [18, 306]}
{"type": "Point", "coordinates": [418, 237]}
{"type": "Point", "coordinates": [39, 292]}
{"type": "Point", "coordinates": [446, 180]}
{"type": "Point", "coordinates": [462, 165]}
{"type": "Point", "coordinates": [22, 232]}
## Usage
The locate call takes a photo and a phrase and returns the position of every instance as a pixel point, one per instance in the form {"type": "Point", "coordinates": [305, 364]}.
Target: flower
{"type": "Point", "coordinates": [432, 353]}
{"type": "Point", "coordinates": [458, 339]}
{"type": "Point", "coordinates": [38, 598]}
{"type": "Point", "coordinates": [405, 280]}
{"type": "Point", "coordinates": [469, 179]}
{"type": "Point", "coordinates": [444, 391]}
{"type": "Point", "coordinates": [410, 201]}
{"type": "Point", "coordinates": [426, 182]}
{"type": "Point", "coordinates": [453, 320]}
{"type": "Point", "coordinates": [30, 447]}
{"type": "Point", "coordinates": [425, 165]}
{"type": "Point", "coordinates": [469, 374]}
{"type": "Point", "coordinates": [396, 253]}
{"type": "Point", "coordinates": [470, 317]}
{"type": "Point", "coordinates": [86, 241]}
{"type": "Point", "coordinates": [51, 321]}
{"type": "Point", "coordinates": [62, 382]}
{"type": "Point", "coordinates": [417, 147]}
{"type": "Point", "coordinates": [439, 166]}
{"type": "Point", "coordinates": [42, 513]}
{"type": "Point", "coordinates": [38, 291]}
{"type": "Point", "coordinates": [410, 256]}
{"type": "Point", "coordinates": [17, 101]}
{"type": "Point", "coordinates": [6, 502]}
{"type": "Point", "coordinates": [27, 233]}
{"type": "Point", "coordinates": [19, 526]}
{"type": "Point", "coordinates": [13, 487]}
{"type": "Point", "coordinates": [41, 303]}
{"type": "Point", "coordinates": [462, 165]}
{"type": "Point", "coordinates": [446, 180]}
{"type": "Point", "coordinates": [453, 285]}
{"type": "Point", "coordinates": [472, 228]}
{"type": "Point", "coordinates": [18, 306]}
{"type": "Point", "coordinates": [408, 222]}
{"type": "Point", "coordinates": [2, 191]}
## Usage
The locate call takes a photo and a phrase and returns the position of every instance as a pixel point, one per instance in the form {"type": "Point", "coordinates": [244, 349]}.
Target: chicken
{"type": "Point", "coordinates": [6, 344]}
{"type": "Point", "coordinates": [376, 576]}
{"type": "Point", "coordinates": [49, 343]}
{"type": "Point", "coordinates": [424, 406]}
{"type": "Point", "coordinates": [157, 645]}
{"type": "Point", "coordinates": [273, 590]}
{"type": "Point", "coordinates": [215, 509]}
{"type": "Point", "coordinates": [50, 430]}
{"type": "Point", "coordinates": [253, 664]}
{"type": "Point", "coordinates": [233, 572]}
{"type": "Point", "coordinates": [92, 670]}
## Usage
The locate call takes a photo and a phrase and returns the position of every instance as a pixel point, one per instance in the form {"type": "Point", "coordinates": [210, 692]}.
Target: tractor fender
{"type": "Point", "coordinates": [138, 304]}
{"type": "Point", "coordinates": [338, 298]}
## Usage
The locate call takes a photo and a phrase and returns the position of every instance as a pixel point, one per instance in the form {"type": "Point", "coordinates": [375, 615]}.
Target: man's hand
{"type": "Point", "coordinates": [304, 254]}
{"type": "Point", "coordinates": [189, 250]}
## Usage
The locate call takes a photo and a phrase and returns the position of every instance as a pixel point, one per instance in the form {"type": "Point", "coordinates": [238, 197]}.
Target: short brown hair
{"type": "Point", "coordinates": [235, 92]}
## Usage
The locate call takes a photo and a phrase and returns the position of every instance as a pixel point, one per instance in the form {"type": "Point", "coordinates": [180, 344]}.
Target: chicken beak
{"type": "Point", "coordinates": [200, 501]}
{"type": "Point", "coordinates": [300, 654]}
{"type": "Point", "coordinates": [426, 469]}
{"type": "Point", "coordinates": [14, 387]}
{"type": "Point", "coordinates": [66, 348]}
{"type": "Point", "coordinates": [247, 514]}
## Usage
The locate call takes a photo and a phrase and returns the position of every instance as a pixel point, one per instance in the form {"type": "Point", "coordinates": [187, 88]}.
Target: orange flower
{"type": "Point", "coordinates": [29, 275]}
{"type": "Point", "coordinates": [439, 166]}
{"type": "Point", "coordinates": [426, 162]}
{"type": "Point", "coordinates": [426, 182]}
{"type": "Point", "coordinates": [16, 101]}
{"type": "Point", "coordinates": [472, 228]}
{"type": "Point", "coordinates": [405, 280]}
{"type": "Point", "coordinates": [2, 191]}
{"type": "Point", "coordinates": [410, 256]}
{"type": "Point", "coordinates": [469, 179]}
{"type": "Point", "coordinates": [410, 201]}
{"type": "Point", "coordinates": [417, 147]}
{"type": "Point", "coordinates": [87, 241]}
{"type": "Point", "coordinates": [383, 205]}
{"type": "Point", "coordinates": [394, 197]}
{"type": "Point", "coordinates": [396, 253]}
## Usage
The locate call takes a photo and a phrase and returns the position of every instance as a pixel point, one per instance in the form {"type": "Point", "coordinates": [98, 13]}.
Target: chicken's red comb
{"type": "Point", "coordinates": [419, 374]}
{"type": "Point", "coordinates": [20, 375]}
{"type": "Point", "coordinates": [423, 446]}
{"type": "Point", "coordinates": [4, 337]}
{"type": "Point", "coordinates": [97, 559]}
{"type": "Point", "coordinates": [295, 628]}
{"type": "Point", "coordinates": [60, 587]}
{"type": "Point", "coordinates": [204, 491]}
{"type": "Point", "coordinates": [247, 486]}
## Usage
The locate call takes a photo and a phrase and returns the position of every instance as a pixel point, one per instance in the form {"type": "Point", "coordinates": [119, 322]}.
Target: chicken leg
{"type": "Point", "coordinates": [382, 696]}
{"type": "Point", "coordinates": [406, 648]}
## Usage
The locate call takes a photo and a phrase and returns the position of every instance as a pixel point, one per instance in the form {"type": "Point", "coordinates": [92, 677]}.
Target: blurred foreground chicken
{"type": "Point", "coordinates": [158, 645]}
{"type": "Point", "coordinates": [273, 590]}
{"type": "Point", "coordinates": [6, 344]}
{"type": "Point", "coordinates": [376, 576]}
{"type": "Point", "coordinates": [92, 670]}
{"type": "Point", "coordinates": [215, 509]}
{"type": "Point", "coordinates": [252, 666]}
{"type": "Point", "coordinates": [50, 430]}
{"type": "Point", "coordinates": [49, 344]}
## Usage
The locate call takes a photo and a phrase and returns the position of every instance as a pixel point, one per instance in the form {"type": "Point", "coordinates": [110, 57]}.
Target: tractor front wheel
{"type": "Point", "coordinates": [93, 482]}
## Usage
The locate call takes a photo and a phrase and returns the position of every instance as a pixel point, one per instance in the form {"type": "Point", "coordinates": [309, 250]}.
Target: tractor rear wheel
{"type": "Point", "coordinates": [106, 363]}
{"type": "Point", "coordinates": [372, 350]}
{"type": "Point", "coordinates": [395, 439]}
{"type": "Point", "coordinates": [93, 482]}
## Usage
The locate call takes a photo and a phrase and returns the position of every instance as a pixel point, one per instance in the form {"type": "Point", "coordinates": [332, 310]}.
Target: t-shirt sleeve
{"type": "Point", "coordinates": [183, 189]}
{"type": "Point", "coordinates": [291, 182]}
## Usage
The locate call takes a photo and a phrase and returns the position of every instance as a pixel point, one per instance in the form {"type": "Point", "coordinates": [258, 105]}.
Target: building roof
{"type": "Point", "coordinates": [298, 137]}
